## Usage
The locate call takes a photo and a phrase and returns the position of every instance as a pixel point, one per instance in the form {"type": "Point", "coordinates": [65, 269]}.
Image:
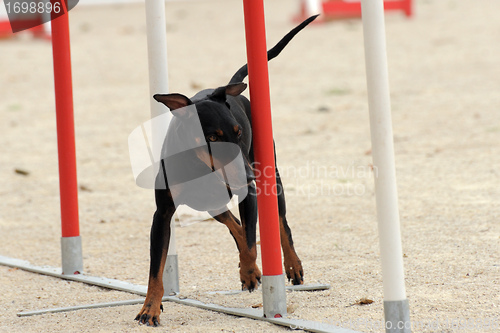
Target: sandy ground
{"type": "Point", "coordinates": [445, 82]}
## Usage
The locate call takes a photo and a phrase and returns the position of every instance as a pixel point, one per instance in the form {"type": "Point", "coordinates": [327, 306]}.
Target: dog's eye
{"type": "Point", "coordinates": [239, 134]}
{"type": "Point", "coordinates": [212, 138]}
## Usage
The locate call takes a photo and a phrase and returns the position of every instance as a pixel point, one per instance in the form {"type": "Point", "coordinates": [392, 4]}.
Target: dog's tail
{"type": "Point", "coordinates": [273, 53]}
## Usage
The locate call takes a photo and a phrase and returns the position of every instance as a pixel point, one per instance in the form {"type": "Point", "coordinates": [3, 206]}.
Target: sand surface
{"type": "Point", "coordinates": [445, 81]}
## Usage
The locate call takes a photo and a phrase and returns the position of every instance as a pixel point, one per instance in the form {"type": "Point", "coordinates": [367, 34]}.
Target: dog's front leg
{"type": "Point", "coordinates": [250, 274]}
{"type": "Point", "coordinates": [160, 238]}
{"type": "Point", "coordinates": [244, 234]}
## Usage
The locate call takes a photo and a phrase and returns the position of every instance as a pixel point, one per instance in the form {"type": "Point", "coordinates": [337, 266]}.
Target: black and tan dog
{"type": "Point", "coordinates": [224, 116]}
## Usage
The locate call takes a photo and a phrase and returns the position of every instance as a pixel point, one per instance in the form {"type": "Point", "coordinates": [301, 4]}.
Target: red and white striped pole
{"type": "Point", "coordinates": [71, 244]}
{"type": "Point", "coordinates": [273, 280]}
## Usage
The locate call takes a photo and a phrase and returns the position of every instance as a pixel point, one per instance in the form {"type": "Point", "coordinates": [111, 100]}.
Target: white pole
{"type": "Point", "coordinates": [313, 7]}
{"type": "Point", "coordinates": [47, 26]}
{"type": "Point", "coordinates": [157, 53]}
{"type": "Point", "coordinates": [158, 84]}
{"type": "Point", "coordinates": [395, 302]}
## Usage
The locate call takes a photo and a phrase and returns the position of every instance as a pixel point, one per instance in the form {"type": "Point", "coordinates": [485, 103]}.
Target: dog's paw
{"type": "Point", "coordinates": [149, 315]}
{"type": "Point", "coordinates": [294, 271]}
{"type": "Point", "coordinates": [250, 277]}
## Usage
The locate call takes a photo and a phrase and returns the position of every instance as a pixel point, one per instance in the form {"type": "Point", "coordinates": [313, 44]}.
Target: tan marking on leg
{"type": "Point", "coordinates": [291, 262]}
{"type": "Point", "coordinates": [151, 310]}
{"type": "Point", "coordinates": [249, 271]}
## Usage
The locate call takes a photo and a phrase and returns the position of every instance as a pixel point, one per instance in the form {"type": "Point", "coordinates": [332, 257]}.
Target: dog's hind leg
{"type": "Point", "coordinates": [291, 262]}
{"type": "Point", "coordinates": [245, 238]}
{"type": "Point", "coordinates": [160, 238]}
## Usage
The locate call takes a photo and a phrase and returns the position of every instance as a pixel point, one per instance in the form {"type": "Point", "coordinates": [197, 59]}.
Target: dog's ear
{"type": "Point", "coordinates": [219, 95]}
{"type": "Point", "coordinates": [175, 102]}
{"type": "Point", "coordinates": [233, 89]}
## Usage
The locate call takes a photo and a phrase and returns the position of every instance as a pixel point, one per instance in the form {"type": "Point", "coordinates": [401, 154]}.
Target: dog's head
{"type": "Point", "coordinates": [220, 131]}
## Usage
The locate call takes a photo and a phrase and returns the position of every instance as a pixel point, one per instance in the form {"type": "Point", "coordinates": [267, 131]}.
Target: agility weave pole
{"type": "Point", "coordinates": [396, 309]}
{"type": "Point", "coordinates": [158, 83]}
{"type": "Point", "coordinates": [273, 279]}
{"type": "Point", "coordinates": [71, 243]}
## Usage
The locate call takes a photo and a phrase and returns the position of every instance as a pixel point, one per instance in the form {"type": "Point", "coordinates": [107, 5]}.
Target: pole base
{"type": "Point", "coordinates": [71, 253]}
{"type": "Point", "coordinates": [274, 296]}
{"type": "Point", "coordinates": [397, 316]}
{"type": "Point", "coordinates": [171, 275]}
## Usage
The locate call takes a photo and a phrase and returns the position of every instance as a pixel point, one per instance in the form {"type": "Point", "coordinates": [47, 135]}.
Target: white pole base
{"type": "Point", "coordinates": [397, 316]}
{"type": "Point", "coordinates": [274, 296]}
{"type": "Point", "coordinates": [71, 253]}
{"type": "Point", "coordinates": [171, 275]}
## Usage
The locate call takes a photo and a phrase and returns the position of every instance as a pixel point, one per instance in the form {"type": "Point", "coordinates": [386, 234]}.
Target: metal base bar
{"type": "Point", "coordinates": [92, 280]}
{"type": "Point", "coordinates": [300, 287]}
{"type": "Point", "coordinates": [397, 316]}
{"type": "Point", "coordinates": [81, 307]}
{"type": "Point", "coordinates": [298, 324]}
{"type": "Point", "coordinates": [171, 275]}
{"type": "Point", "coordinates": [71, 253]}
{"type": "Point", "coordinates": [256, 314]}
